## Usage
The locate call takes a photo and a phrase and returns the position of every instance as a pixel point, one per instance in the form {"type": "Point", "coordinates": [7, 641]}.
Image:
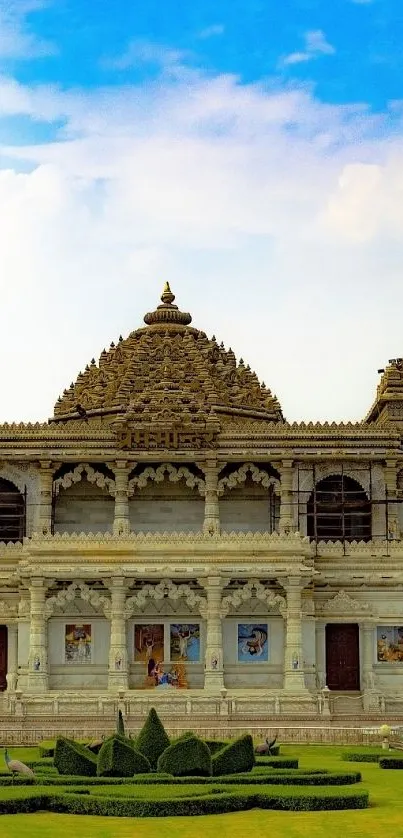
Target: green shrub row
{"type": "Point", "coordinates": [391, 762]}
{"type": "Point", "coordinates": [362, 756]}
{"type": "Point", "coordinates": [281, 798]}
{"type": "Point", "coordinates": [277, 762]}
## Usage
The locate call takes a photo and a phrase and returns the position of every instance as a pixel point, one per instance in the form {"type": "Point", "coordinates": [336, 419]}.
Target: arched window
{"type": "Point", "coordinates": [339, 510]}
{"type": "Point", "coordinates": [12, 512]}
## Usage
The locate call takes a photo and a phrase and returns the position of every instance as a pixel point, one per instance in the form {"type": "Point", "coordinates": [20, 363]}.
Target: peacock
{"type": "Point", "coordinates": [17, 767]}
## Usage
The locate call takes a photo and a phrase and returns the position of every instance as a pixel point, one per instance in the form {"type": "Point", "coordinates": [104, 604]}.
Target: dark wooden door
{"type": "Point", "coordinates": [3, 657]}
{"type": "Point", "coordinates": [342, 656]}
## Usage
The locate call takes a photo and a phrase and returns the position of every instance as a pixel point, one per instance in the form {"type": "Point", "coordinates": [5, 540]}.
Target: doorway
{"type": "Point", "coordinates": [342, 656]}
{"type": "Point", "coordinates": [3, 657]}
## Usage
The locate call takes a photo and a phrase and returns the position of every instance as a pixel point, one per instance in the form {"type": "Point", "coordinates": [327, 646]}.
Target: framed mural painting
{"type": "Point", "coordinates": [78, 643]}
{"type": "Point", "coordinates": [185, 642]}
{"type": "Point", "coordinates": [253, 642]}
{"type": "Point", "coordinates": [389, 644]}
{"type": "Point", "coordinates": [149, 644]}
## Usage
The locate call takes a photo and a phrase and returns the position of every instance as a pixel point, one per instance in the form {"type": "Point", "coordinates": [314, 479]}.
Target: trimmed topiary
{"type": "Point", "coordinates": [73, 758]}
{"type": "Point", "coordinates": [118, 758]}
{"type": "Point", "coordinates": [187, 757]}
{"type": "Point", "coordinates": [215, 745]}
{"type": "Point", "coordinates": [120, 727]}
{"type": "Point", "coordinates": [236, 757]}
{"type": "Point", "coordinates": [153, 739]}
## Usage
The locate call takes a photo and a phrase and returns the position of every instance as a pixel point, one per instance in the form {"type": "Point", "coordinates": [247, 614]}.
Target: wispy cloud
{"type": "Point", "coordinates": [138, 53]}
{"type": "Point", "coordinates": [16, 38]}
{"type": "Point", "coordinates": [212, 31]}
{"type": "Point", "coordinates": [316, 45]}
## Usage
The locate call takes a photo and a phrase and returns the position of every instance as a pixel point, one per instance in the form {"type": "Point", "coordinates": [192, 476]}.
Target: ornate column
{"type": "Point", "coordinates": [320, 635]}
{"type": "Point", "coordinates": [287, 518]}
{"type": "Point", "coordinates": [293, 653]}
{"type": "Point", "coordinates": [118, 664]}
{"type": "Point", "coordinates": [38, 652]}
{"type": "Point", "coordinates": [391, 510]}
{"type": "Point", "coordinates": [12, 656]}
{"type": "Point", "coordinates": [214, 661]}
{"type": "Point", "coordinates": [121, 523]}
{"type": "Point", "coordinates": [212, 507]}
{"type": "Point", "coordinates": [367, 653]}
{"type": "Point", "coordinates": [46, 473]}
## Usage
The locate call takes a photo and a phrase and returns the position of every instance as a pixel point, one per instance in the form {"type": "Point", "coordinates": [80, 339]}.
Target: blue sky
{"type": "Point", "coordinates": [249, 152]}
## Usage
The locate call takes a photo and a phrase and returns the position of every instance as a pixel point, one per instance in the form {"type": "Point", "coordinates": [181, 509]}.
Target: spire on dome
{"type": "Point", "coordinates": [168, 312]}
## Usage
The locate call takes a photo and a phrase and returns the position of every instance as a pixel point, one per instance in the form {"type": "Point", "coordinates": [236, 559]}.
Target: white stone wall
{"type": "Point", "coordinates": [166, 507]}
{"type": "Point", "coordinates": [245, 509]}
{"type": "Point", "coordinates": [84, 507]}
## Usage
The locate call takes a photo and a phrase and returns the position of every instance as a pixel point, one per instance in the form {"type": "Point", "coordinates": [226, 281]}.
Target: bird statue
{"type": "Point", "coordinates": [17, 767]}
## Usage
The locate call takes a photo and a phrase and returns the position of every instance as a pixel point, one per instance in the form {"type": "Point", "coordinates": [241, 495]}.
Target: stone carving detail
{"type": "Point", "coordinates": [7, 609]}
{"type": "Point", "coordinates": [342, 603]}
{"type": "Point", "coordinates": [70, 593]}
{"type": "Point", "coordinates": [240, 476]}
{"type": "Point", "coordinates": [77, 474]}
{"type": "Point", "coordinates": [166, 589]}
{"type": "Point", "coordinates": [371, 484]}
{"type": "Point", "coordinates": [174, 475]}
{"type": "Point", "coordinates": [253, 589]}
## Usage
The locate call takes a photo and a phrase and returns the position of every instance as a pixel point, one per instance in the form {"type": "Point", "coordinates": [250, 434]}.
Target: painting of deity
{"type": "Point", "coordinates": [77, 643]}
{"type": "Point", "coordinates": [253, 642]}
{"type": "Point", "coordinates": [390, 644]}
{"type": "Point", "coordinates": [185, 642]}
{"type": "Point", "coordinates": [149, 644]}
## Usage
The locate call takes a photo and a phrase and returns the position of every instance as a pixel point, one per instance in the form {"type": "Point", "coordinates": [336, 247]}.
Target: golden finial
{"type": "Point", "coordinates": [168, 312]}
{"type": "Point", "coordinates": [167, 297]}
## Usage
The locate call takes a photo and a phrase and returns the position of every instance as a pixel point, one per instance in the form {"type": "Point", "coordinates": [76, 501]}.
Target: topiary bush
{"type": "Point", "coordinates": [391, 762]}
{"type": "Point", "coordinates": [187, 757]}
{"type": "Point", "coordinates": [236, 757]}
{"type": "Point", "coordinates": [215, 745]}
{"type": "Point", "coordinates": [153, 739]}
{"type": "Point", "coordinates": [73, 758]}
{"type": "Point", "coordinates": [118, 758]}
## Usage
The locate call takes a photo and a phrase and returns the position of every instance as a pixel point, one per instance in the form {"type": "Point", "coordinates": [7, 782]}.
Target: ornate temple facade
{"type": "Point", "coordinates": [167, 538]}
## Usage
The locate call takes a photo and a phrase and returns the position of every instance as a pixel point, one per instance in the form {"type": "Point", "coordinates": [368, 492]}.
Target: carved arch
{"type": "Point", "coordinates": [25, 476]}
{"type": "Point", "coordinates": [240, 476]}
{"type": "Point", "coordinates": [77, 474]}
{"type": "Point", "coordinates": [84, 592]}
{"type": "Point", "coordinates": [343, 604]}
{"type": "Point", "coordinates": [348, 469]}
{"type": "Point", "coordinates": [165, 589]}
{"type": "Point", "coordinates": [253, 589]}
{"type": "Point", "coordinates": [174, 475]}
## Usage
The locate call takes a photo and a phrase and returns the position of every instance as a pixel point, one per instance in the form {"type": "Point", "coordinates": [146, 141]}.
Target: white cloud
{"type": "Point", "coordinates": [276, 218]}
{"type": "Point", "coordinates": [212, 31]}
{"type": "Point", "coordinates": [315, 45]}
{"type": "Point", "coordinates": [144, 52]}
{"type": "Point", "coordinates": [16, 39]}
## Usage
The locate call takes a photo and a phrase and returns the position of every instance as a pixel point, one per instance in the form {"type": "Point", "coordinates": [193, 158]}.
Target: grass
{"type": "Point", "coordinates": [385, 815]}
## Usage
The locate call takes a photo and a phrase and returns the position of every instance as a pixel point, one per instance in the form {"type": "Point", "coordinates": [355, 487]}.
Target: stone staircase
{"type": "Point", "coordinates": [346, 703]}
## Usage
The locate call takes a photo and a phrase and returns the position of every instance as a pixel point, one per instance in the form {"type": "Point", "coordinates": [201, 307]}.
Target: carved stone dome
{"type": "Point", "coordinates": [167, 371]}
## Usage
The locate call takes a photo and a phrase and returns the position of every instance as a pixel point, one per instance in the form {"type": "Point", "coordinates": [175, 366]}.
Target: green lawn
{"type": "Point", "coordinates": [384, 817]}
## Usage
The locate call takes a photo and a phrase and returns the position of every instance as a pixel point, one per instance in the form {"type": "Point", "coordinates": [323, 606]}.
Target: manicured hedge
{"type": "Point", "coordinates": [391, 762]}
{"type": "Point", "coordinates": [215, 745]}
{"type": "Point", "coordinates": [236, 757]}
{"type": "Point", "coordinates": [72, 758]}
{"type": "Point", "coordinates": [153, 739]}
{"type": "Point", "coordinates": [277, 762]}
{"type": "Point", "coordinates": [118, 758]}
{"type": "Point", "coordinates": [362, 756]}
{"type": "Point", "coordinates": [186, 757]}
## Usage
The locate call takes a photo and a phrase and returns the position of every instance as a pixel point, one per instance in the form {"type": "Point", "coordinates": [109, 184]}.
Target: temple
{"type": "Point", "coordinates": [168, 539]}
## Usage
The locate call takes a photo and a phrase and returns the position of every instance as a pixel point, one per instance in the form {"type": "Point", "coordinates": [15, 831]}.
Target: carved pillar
{"type": "Point", "coordinates": [12, 656]}
{"type": "Point", "coordinates": [287, 517]}
{"type": "Point", "coordinates": [367, 653]}
{"type": "Point", "coordinates": [214, 660]}
{"type": "Point", "coordinates": [293, 653]}
{"type": "Point", "coordinates": [320, 638]}
{"type": "Point", "coordinates": [121, 523]}
{"type": "Point", "coordinates": [38, 652]}
{"type": "Point", "coordinates": [118, 664]}
{"type": "Point", "coordinates": [212, 507]}
{"type": "Point", "coordinates": [392, 508]}
{"type": "Point", "coordinates": [46, 473]}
